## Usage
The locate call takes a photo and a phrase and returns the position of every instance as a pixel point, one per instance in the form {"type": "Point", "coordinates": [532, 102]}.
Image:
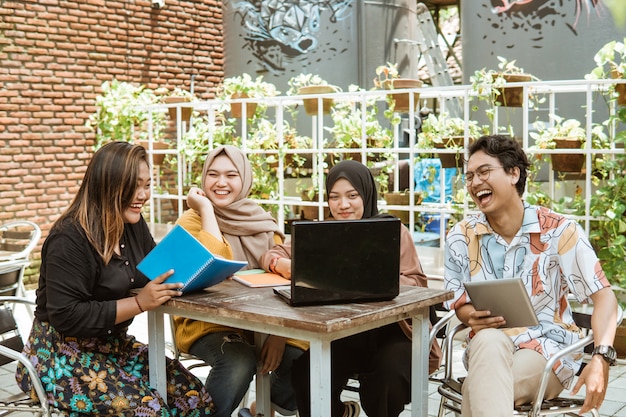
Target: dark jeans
{"type": "Point", "coordinates": [233, 364]}
{"type": "Point", "coordinates": [381, 358]}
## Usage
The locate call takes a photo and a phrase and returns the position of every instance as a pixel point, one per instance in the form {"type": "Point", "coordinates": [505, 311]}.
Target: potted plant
{"type": "Point", "coordinates": [490, 85]}
{"type": "Point", "coordinates": [444, 132]}
{"type": "Point", "coordinates": [244, 86]}
{"type": "Point", "coordinates": [608, 233]}
{"type": "Point", "coordinates": [388, 78]}
{"type": "Point", "coordinates": [178, 95]}
{"type": "Point", "coordinates": [355, 125]}
{"type": "Point", "coordinates": [122, 113]}
{"type": "Point", "coordinates": [402, 198]}
{"type": "Point", "coordinates": [611, 63]}
{"type": "Point", "coordinates": [307, 84]}
{"type": "Point", "coordinates": [566, 134]}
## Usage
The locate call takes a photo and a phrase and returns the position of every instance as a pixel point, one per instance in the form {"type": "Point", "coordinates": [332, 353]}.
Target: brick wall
{"type": "Point", "coordinates": [54, 55]}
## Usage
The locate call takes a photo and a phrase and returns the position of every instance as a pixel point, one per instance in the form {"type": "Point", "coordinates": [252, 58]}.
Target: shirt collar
{"type": "Point", "coordinates": [530, 223]}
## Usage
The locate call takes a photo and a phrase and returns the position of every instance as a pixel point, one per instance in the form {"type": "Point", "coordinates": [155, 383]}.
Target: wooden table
{"type": "Point", "coordinates": [261, 311]}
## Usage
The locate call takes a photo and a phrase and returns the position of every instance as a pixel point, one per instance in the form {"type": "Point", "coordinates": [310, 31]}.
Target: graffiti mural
{"type": "Point", "coordinates": [537, 16]}
{"type": "Point", "coordinates": [276, 31]}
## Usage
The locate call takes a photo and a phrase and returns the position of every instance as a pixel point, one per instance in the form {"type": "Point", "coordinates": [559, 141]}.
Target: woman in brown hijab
{"type": "Point", "coordinates": [229, 224]}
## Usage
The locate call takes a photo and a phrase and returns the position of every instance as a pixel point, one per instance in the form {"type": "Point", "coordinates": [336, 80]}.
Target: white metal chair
{"type": "Point", "coordinates": [11, 345]}
{"type": "Point", "coordinates": [17, 241]}
{"type": "Point", "coordinates": [450, 389]}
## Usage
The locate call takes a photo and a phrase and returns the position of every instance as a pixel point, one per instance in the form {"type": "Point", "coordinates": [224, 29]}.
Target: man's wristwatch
{"type": "Point", "coordinates": [607, 352]}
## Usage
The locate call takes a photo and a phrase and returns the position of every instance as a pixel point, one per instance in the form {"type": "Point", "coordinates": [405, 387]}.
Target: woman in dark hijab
{"type": "Point", "coordinates": [381, 357]}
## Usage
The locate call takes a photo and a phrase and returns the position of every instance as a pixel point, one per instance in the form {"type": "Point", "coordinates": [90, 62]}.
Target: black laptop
{"type": "Point", "coordinates": [343, 261]}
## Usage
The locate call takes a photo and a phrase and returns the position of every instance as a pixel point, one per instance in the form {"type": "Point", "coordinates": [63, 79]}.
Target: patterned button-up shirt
{"type": "Point", "coordinates": [553, 257]}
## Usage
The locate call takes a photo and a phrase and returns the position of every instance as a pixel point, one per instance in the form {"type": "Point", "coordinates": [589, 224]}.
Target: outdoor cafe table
{"type": "Point", "coordinates": [261, 311]}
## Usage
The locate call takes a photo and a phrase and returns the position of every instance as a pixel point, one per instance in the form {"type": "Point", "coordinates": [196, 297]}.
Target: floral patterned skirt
{"type": "Point", "coordinates": [107, 376]}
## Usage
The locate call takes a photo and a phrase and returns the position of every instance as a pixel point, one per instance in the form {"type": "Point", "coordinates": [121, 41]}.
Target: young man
{"type": "Point", "coordinates": [511, 239]}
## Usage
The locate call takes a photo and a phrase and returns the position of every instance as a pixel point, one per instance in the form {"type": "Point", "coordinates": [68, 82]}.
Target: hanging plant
{"type": "Point", "coordinates": [122, 114]}
{"type": "Point", "coordinates": [388, 78]}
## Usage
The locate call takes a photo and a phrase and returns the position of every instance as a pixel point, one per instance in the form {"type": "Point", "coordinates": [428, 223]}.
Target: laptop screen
{"type": "Point", "coordinates": [343, 261]}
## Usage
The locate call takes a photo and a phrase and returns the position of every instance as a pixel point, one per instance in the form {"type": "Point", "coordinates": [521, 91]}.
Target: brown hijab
{"type": "Point", "coordinates": [247, 227]}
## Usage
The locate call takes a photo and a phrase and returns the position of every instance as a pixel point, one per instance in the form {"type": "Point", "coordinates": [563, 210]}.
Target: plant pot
{"type": "Point", "coordinates": [401, 198]}
{"type": "Point", "coordinates": [620, 341]}
{"type": "Point", "coordinates": [289, 162]}
{"type": "Point", "coordinates": [451, 160]}
{"type": "Point", "coordinates": [402, 99]}
{"type": "Point", "coordinates": [370, 156]}
{"type": "Point", "coordinates": [157, 158]}
{"type": "Point", "coordinates": [174, 201]}
{"type": "Point", "coordinates": [311, 212]}
{"type": "Point", "coordinates": [236, 108]}
{"type": "Point", "coordinates": [185, 112]}
{"type": "Point", "coordinates": [621, 94]}
{"type": "Point", "coordinates": [568, 162]}
{"type": "Point", "coordinates": [512, 96]}
{"type": "Point", "coordinates": [310, 104]}
{"type": "Point", "coordinates": [620, 89]}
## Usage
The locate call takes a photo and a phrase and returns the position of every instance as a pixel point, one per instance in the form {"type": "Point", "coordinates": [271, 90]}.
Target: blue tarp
{"type": "Point", "coordinates": [427, 173]}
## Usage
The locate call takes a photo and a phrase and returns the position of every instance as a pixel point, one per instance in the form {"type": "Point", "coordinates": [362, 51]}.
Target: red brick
{"type": "Point", "coordinates": [54, 57]}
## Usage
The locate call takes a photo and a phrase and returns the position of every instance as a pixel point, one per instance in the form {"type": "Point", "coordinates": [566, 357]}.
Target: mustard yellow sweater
{"type": "Point", "coordinates": [187, 331]}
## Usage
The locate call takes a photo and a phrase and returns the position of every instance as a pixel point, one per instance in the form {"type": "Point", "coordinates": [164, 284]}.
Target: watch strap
{"type": "Point", "coordinates": [607, 352]}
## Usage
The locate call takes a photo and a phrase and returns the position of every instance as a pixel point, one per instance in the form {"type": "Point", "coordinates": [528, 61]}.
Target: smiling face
{"type": "Point", "coordinates": [222, 183]}
{"type": "Point", "coordinates": [132, 214]}
{"type": "Point", "coordinates": [344, 201]}
{"type": "Point", "coordinates": [491, 188]}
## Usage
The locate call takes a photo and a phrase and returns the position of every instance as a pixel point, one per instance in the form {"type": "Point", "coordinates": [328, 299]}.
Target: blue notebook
{"type": "Point", "coordinates": [193, 264]}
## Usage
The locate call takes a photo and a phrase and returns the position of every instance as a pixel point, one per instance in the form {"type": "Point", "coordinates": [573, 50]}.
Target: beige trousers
{"type": "Point", "coordinates": [499, 377]}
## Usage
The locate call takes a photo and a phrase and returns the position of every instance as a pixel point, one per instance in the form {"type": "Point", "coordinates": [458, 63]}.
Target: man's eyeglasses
{"type": "Point", "coordinates": [482, 173]}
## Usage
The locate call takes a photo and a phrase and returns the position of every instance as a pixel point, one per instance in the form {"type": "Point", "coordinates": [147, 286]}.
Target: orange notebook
{"type": "Point", "coordinates": [259, 278]}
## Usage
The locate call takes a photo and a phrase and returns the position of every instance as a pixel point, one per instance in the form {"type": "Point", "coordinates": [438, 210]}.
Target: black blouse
{"type": "Point", "coordinates": [77, 293]}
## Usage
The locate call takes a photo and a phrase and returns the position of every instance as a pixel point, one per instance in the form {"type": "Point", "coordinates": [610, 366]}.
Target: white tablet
{"type": "Point", "coordinates": [503, 297]}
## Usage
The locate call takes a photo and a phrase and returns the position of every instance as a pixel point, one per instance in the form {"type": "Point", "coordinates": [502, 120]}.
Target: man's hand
{"type": "Point", "coordinates": [595, 377]}
{"type": "Point", "coordinates": [482, 319]}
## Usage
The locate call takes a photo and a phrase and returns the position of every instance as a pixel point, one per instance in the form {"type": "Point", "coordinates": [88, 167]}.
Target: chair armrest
{"type": "Point", "coordinates": [441, 324]}
{"type": "Point", "coordinates": [23, 359]}
{"type": "Point", "coordinates": [583, 320]}
{"type": "Point", "coordinates": [34, 377]}
{"type": "Point", "coordinates": [449, 344]}
{"type": "Point", "coordinates": [12, 265]}
{"type": "Point", "coordinates": [14, 299]}
{"type": "Point", "coordinates": [578, 346]}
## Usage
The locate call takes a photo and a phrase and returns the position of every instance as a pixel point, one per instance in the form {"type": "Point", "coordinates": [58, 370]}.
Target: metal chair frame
{"type": "Point", "coordinates": [450, 389]}
{"type": "Point", "coordinates": [13, 263]}
{"type": "Point", "coordinates": [12, 231]}
{"type": "Point", "coordinates": [21, 402]}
